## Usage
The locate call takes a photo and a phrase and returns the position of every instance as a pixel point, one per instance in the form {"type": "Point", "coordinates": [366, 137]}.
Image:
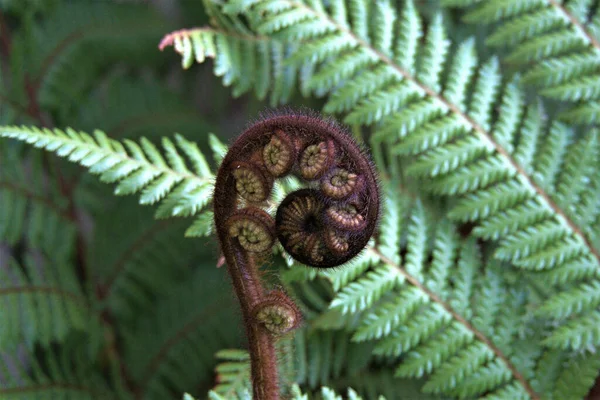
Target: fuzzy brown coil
{"type": "Point", "coordinates": [324, 225]}
{"type": "Point", "coordinates": [331, 222]}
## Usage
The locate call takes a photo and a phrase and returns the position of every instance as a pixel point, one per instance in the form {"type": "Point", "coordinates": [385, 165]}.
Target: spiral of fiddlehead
{"type": "Point", "coordinates": [279, 154]}
{"type": "Point", "coordinates": [345, 217]}
{"type": "Point", "coordinates": [253, 228]}
{"type": "Point", "coordinates": [339, 183]}
{"type": "Point", "coordinates": [250, 182]}
{"type": "Point", "coordinates": [320, 227]}
{"type": "Point", "coordinates": [315, 159]}
{"type": "Point", "coordinates": [277, 313]}
{"type": "Point", "coordinates": [323, 226]}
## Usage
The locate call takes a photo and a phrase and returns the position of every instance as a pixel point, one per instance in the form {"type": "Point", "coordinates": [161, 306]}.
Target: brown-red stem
{"type": "Point", "coordinates": [323, 226]}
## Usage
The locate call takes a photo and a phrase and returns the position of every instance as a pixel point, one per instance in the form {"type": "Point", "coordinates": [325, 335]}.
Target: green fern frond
{"type": "Point", "coordinates": [159, 177]}
{"type": "Point", "coordinates": [135, 108]}
{"type": "Point", "coordinates": [560, 39]}
{"type": "Point", "coordinates": [458, 146]}
{"type": "Point", "coordinates": [260, 58]}
{"type": "Point", "coordinates": [42, 301]}
{"type": "Point", "coordinates": [233, 373]}
{"type": "Point", "coordinates": [465, 336]}
{"type": "Point", "coordinates": [28, 209]}
{"type": "Point", "coordinates": [135, 258]}
{"type": "Point", "coordinates": [64, 373]}
{"type": "Point", "coordinates": [182, 332]}
{"type": "Point", "coordinates": [64, 54]}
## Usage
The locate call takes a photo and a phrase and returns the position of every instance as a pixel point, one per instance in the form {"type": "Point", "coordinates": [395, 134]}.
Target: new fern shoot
{"type": "Point", "coordinates": [323, 226]}
{"type": "Point", "coordinates": [460, 260]}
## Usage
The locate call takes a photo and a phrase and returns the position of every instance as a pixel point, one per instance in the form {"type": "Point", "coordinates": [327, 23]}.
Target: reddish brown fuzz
{"type": "Point", "coordinates": [323, 226]}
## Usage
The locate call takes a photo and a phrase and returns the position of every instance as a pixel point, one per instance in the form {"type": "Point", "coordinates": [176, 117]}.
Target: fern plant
{"type": "Point", "coordinates": [559, 38]}
{"type": "Point", "coordinates": [482, 281]}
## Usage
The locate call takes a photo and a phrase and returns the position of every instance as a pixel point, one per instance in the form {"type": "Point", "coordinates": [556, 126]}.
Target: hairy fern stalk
{"type": "Point", "coordinates": [481, 281]}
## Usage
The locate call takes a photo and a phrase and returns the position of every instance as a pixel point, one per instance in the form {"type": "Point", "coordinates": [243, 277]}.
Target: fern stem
{"type": "Point", "coordinates": [480, 130]}
{"type": "Point", "coordinates": [478, 334]}
{"type": "Point", "coordinates": [578, 25]}
{"type": "Point", "coordinates": [263, 360]}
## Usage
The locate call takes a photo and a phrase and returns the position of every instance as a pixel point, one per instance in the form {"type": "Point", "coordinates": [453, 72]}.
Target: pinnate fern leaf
{"type": "Point", "coordinates": [63, 373]}
{"type": "Point", "coordinates": [178, 178]}
{"type": "Point", "coordinates": [465, 335]}
{"type": "Point", "coordinates": [460, 337]}
{"type": "Point", "coordinates": [557, 44]}
{"type": "Point", "coordinates": [42, 302]}
{"type": "Point", "coordinates": [498, 171]}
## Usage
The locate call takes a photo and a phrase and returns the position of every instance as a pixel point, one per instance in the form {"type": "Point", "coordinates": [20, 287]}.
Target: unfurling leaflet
{"type": "Point", "coordinates": [323, 225]}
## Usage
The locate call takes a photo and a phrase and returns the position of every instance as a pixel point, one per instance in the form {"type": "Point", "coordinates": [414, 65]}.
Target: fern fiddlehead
{"type": "Point", "coordinates": [322, 226]}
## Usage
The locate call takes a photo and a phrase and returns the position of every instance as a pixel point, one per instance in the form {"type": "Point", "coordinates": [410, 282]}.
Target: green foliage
{"type": "Point", "coordinates": [498, 166]}
{"type": "Point", "coordinates": [173, 343]}
{"type": "Point", "coordinates": [242, 60]}
{"type": "Point", "coordinates": [59, 373]}
{"type": "Point", "coordinates": [41, 301]}
{"type": "Point", "coordinates": [555, 42]}
{"type": "Point", "coordinates": [29, 209]}
{"type": "Point", "coordinates": [483, 280]}
{"type": "Point", "coordinates": [164, 177]}
{"type": "Point", "coordinates": [58, 60]}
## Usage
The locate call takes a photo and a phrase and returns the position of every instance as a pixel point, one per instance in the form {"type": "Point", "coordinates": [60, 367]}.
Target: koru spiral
{"type": "Point", "coordinates": [323, 225]}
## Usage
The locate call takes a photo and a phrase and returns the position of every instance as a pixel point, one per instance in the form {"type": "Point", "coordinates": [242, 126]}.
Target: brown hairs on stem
{"type": "Point", "coordinates": [323, 226]}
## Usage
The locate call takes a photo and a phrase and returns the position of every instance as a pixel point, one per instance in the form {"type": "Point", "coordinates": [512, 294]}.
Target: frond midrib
{"type": "Point", "coordinates": [129, 253]}
{"type": "Point", "coordinates": [45, 289]}
{"type": "Point", "coordinates": [171, 341]}
{"type": "Point", "coordinates": [459, 318]}
{"type": "Point", "coordinates": [577, 25]}
{"type": "Point", "coordinates": [72, 38]}
{"type": "Point", "coordinates": [50, 387]}
{"type": "Point", "coordinates": [563, 218]}
{"type": "Point", "coordinates": [37, 198]}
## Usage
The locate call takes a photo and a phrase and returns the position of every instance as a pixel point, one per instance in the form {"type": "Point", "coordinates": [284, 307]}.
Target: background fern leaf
{"type": "Point", "coordinates": [475, 161]}
{"type": "Point", "coordinates": [559, 38]}
{"type": "Point", "coordinates": [137, 168]}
